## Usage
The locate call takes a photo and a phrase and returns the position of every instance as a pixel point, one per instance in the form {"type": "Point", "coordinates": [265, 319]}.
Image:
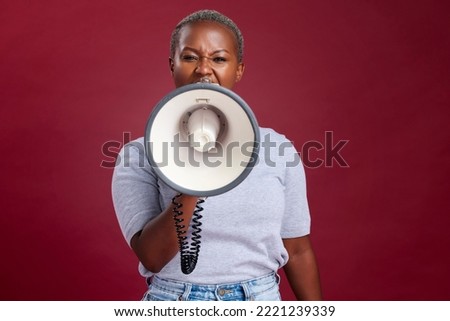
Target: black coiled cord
{"type": "Point", "coordinates": [188, 254]}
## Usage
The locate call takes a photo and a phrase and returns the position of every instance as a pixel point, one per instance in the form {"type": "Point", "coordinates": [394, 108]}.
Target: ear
{"type": "Point", "coordinates": [171, 65]}
{"type": "Point", "coordinates": [240, 71]}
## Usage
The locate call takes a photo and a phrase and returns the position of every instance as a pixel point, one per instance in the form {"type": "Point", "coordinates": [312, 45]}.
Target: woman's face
{"type": "Point", "coordinates": [206, 50]}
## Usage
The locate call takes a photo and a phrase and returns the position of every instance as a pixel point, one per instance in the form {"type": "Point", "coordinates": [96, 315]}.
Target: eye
{"type": "Point", "coordinates": [219, 60]}
{"type": "Point", "coordinates": [189, 58]}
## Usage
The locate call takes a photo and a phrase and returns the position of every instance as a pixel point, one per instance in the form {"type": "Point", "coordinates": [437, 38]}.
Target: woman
{"type": "Point", "coordinates": [248, 233]}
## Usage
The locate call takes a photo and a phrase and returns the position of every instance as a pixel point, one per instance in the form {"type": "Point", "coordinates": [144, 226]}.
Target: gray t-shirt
{"type": "Point", "coordinates": [242, 229]}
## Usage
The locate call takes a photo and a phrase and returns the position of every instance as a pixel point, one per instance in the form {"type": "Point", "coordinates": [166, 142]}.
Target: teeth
{"type": "Point", "coordinates": [205, 80]}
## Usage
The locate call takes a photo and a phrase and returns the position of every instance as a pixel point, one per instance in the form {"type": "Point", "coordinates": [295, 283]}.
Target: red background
{"type": "Point", "coordinates": [77, 74]}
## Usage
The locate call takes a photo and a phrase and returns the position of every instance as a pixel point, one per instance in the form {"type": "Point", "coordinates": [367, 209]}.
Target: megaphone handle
{"type": "Point", "coordinates": [189, 255]}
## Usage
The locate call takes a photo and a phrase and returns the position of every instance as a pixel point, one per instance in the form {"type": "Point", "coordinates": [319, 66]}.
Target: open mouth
{"type": "Point", "coordinates": [205, 80]}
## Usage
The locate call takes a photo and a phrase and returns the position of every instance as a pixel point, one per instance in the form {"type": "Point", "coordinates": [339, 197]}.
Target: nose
{"type": "Point", "coordinates": [204, 66]}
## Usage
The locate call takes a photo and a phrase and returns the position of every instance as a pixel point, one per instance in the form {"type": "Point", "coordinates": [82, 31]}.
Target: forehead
{"type": "Point", "coordinates": [207, 33]}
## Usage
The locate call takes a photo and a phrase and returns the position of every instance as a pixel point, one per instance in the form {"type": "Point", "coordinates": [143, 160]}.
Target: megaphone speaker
{"type": "Point", "coordinates": [202, 139]}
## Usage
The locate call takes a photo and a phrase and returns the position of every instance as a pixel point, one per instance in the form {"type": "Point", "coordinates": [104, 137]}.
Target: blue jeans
{"type": "Point", "coordinates": [260, 289]}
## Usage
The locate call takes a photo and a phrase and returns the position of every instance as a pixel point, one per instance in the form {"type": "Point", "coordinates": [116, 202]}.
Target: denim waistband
{"type": "Point", "coordinates": [261, 288]}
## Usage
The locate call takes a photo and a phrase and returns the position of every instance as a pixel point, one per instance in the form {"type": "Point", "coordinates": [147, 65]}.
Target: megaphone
{"type": "Point", "coordinates": [202, 139]}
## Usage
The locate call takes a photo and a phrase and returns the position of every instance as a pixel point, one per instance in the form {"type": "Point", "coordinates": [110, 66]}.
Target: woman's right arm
{"type": "Point", "coordinates": [157, 243]}
{"type": "Point", "coordinates": [148, 228]}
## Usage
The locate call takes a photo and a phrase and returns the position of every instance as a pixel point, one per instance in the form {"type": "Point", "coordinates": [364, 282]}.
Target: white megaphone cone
{"type": "Point", "coordinates": [202, 139]}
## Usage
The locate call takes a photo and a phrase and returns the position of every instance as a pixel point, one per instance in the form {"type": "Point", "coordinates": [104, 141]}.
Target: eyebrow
{"type": "Point", "coordinates": [213, 53]}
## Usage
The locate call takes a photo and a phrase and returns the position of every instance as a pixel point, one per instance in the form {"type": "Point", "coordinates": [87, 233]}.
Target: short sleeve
{"type": "Point", "coordinates": [134, 189]}
{"type": "Point", "coordinates": [296, 220]}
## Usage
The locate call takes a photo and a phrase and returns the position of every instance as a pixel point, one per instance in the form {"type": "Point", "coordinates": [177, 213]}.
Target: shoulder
{"type": "Point", "coordinates": [276, 147]}
{"type": "Point", "coordinates": [136, 143]}
{"type": "Point", "coordinates": [132, 155]}
{"type": "Point", "coordinates": [133, 148]}
{"type": "Point", "coordinates": [269, 134]}
{"type": "Point", "coordinates": [271, 138]}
